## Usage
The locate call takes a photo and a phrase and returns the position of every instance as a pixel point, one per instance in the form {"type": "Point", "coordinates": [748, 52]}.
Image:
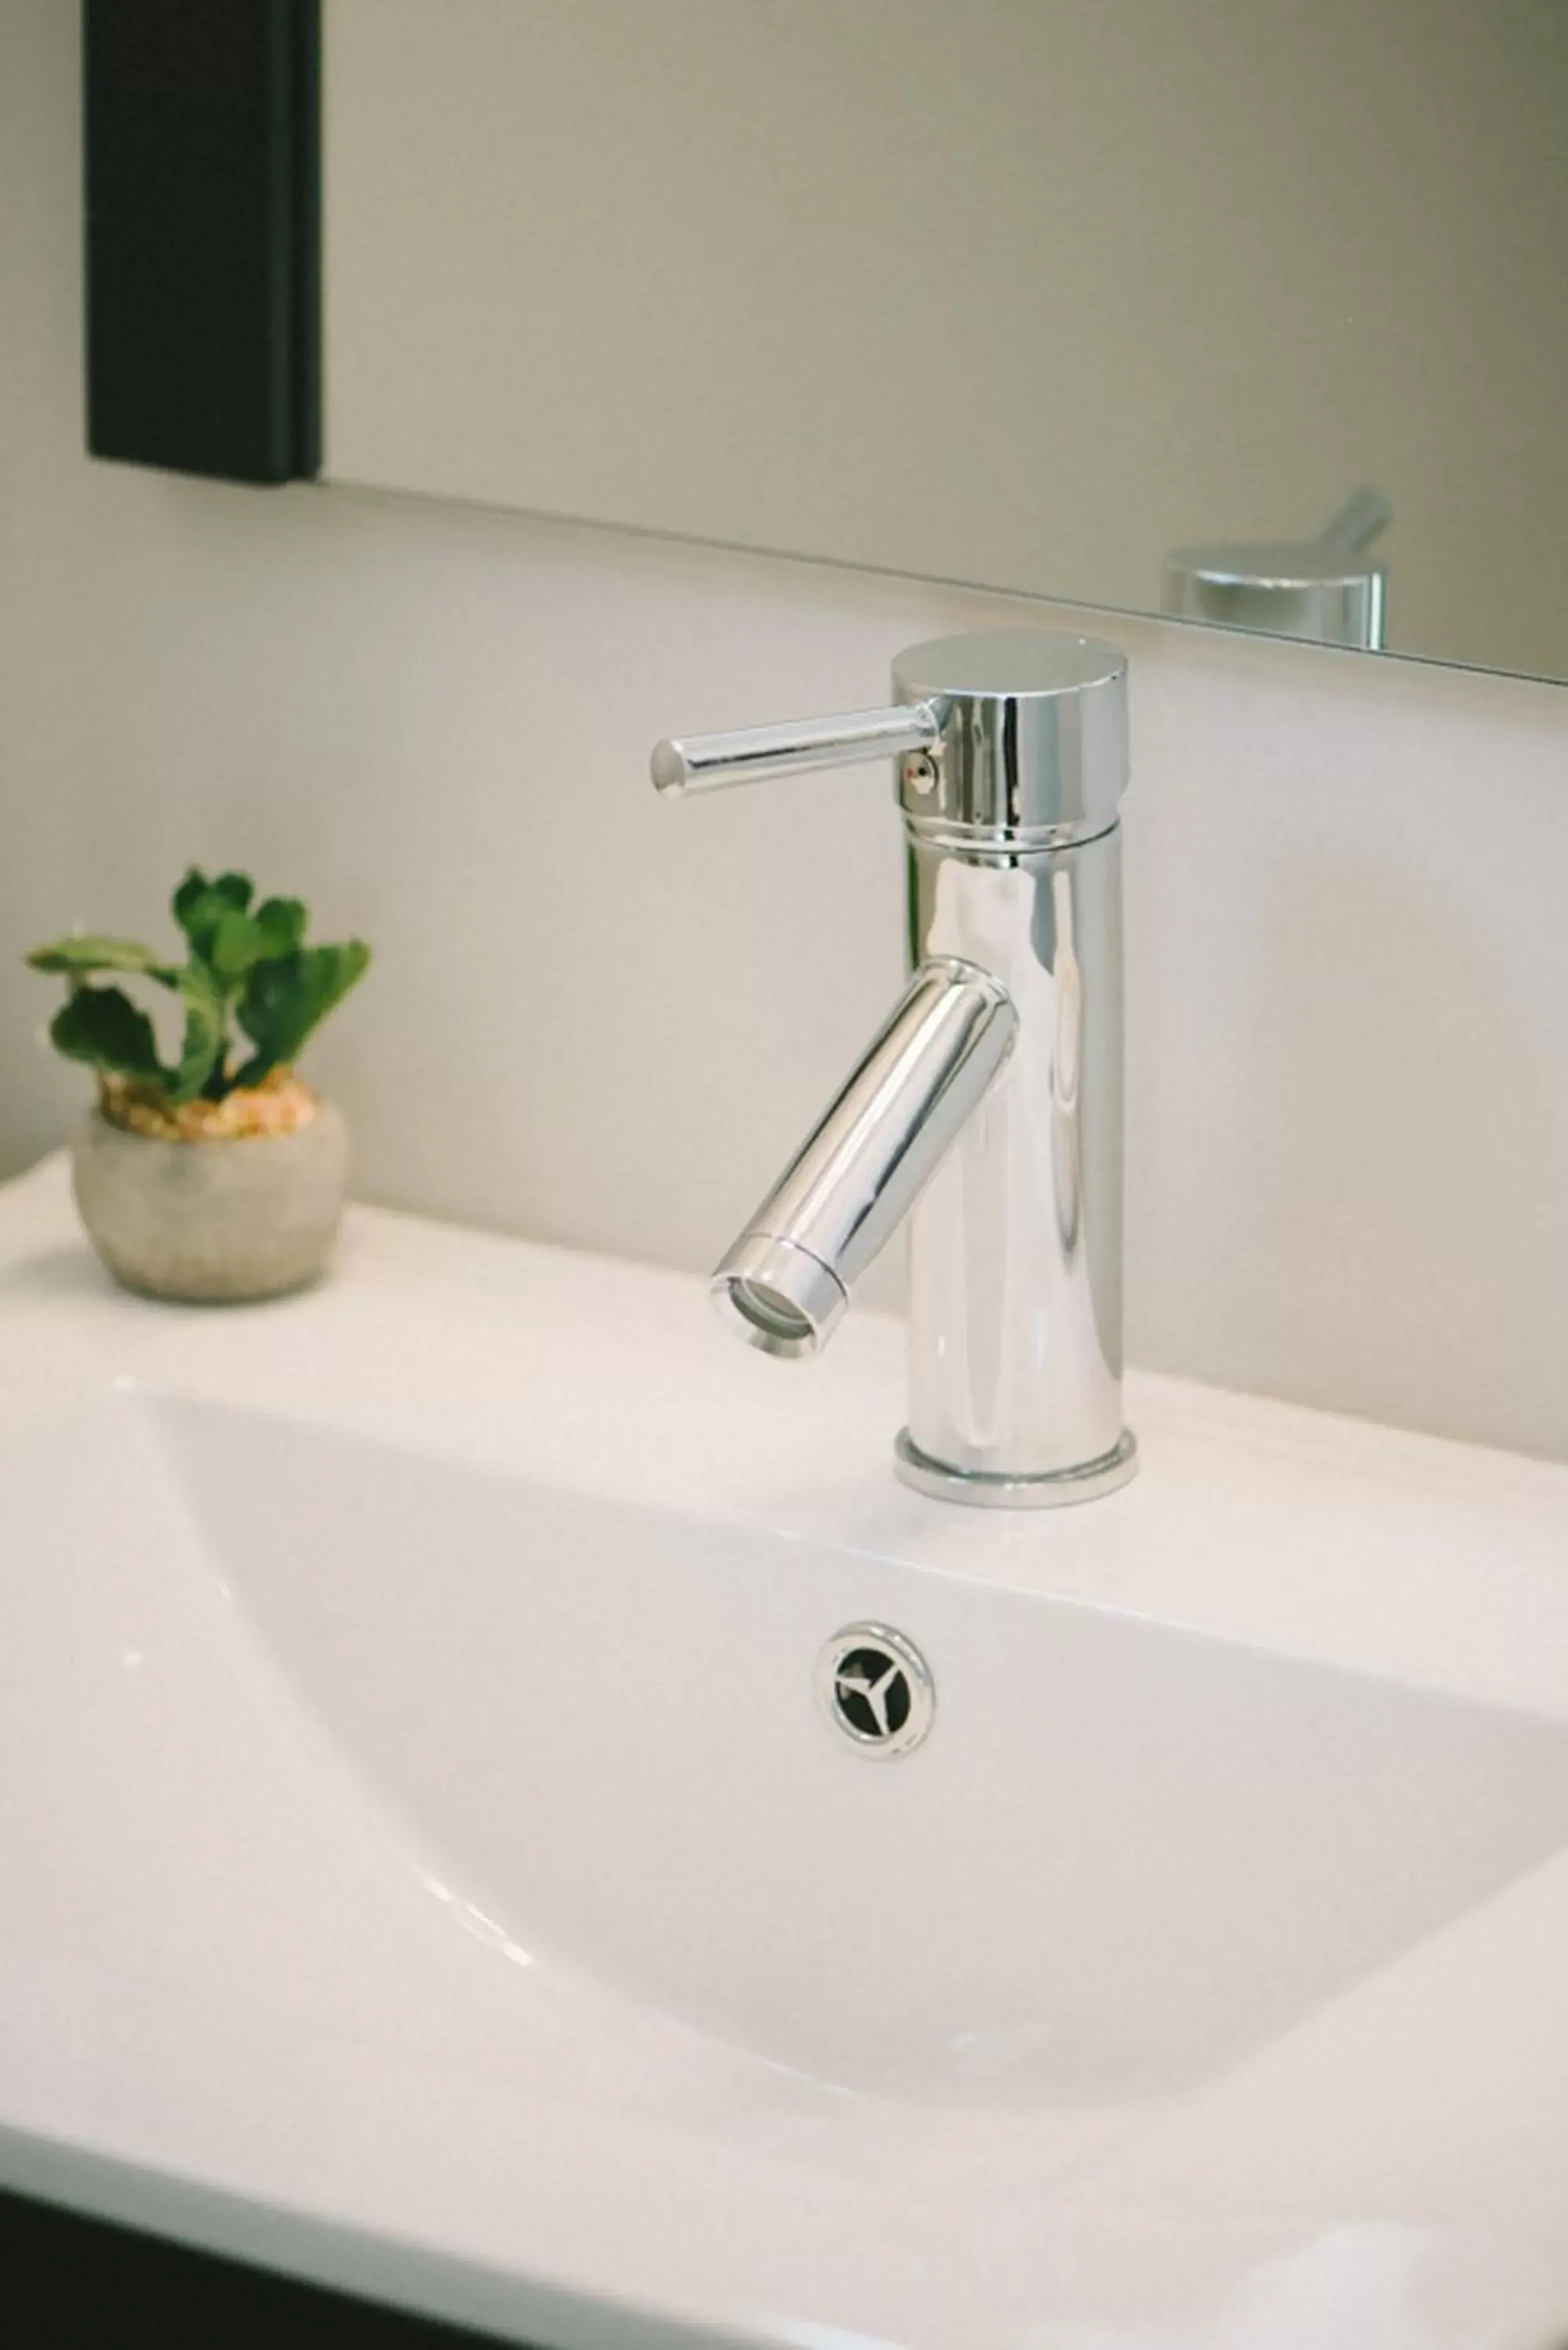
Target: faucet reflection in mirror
{"type": "Point", "coordinates": [1327, 591]}
{"type": "Point", "coordinates": [988, 1110]}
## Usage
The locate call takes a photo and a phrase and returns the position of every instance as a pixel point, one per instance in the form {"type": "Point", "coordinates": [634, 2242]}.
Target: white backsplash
{"type": "Point", "coordinates": [599, 1020]}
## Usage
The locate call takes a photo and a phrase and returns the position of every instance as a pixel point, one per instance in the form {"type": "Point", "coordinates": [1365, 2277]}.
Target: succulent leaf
{"type": "Point", "coordinates": [200, 905]}
{"type": "Point", "coordinates": [78, 957]}
{"type": "Point", "coordinates": [201, 1048]}
{"type": "Point", "coordinates": [240, 941]}
{"type": "Point", "coordinates": [234, 944]}
{"type": "Point", "coordinates": [282, 921]}
{"type": "Point", "coordinates": [101, 1026]}
{"type": "Point", "coordinates": [286, 998]}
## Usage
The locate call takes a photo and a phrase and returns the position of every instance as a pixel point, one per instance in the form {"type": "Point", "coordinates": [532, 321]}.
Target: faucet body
{"type": "Point", "coordinates": [987, 1113]}
{"type": "Point", "coordinates": [1016, 1242]}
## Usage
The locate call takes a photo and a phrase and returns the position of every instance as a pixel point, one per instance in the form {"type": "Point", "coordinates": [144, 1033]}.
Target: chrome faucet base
{"type": "Point", "coordinates": [986, 1490]}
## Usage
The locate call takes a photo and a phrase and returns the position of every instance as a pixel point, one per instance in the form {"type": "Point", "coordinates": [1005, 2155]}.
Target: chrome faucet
{"type": "Point", "coordinates": [988, 1110]}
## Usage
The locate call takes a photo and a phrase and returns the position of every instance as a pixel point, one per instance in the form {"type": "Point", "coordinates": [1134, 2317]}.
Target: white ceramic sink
{"type": "Point", "coordinates": [1127, 1854]}
{"type": "Point", "coordinates": [425, 1861]}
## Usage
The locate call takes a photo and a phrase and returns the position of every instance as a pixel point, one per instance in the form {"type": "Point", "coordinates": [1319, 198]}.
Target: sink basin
{"type": "Point", "coordinates": [428, 1863]}
{"type": "Point", "coordinates": [1127, 1853]}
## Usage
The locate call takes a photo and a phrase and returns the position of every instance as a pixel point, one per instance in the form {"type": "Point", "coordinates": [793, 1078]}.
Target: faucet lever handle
{"type": "Point", "coordinates": [710, 763]}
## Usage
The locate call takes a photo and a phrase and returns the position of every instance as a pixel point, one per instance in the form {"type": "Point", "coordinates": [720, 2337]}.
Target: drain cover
{"type": "Point", "coordinates": [876, 1687]}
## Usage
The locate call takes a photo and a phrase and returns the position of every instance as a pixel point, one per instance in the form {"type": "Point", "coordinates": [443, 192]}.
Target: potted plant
{"type": "Point", "coordinates": [220, 1174]}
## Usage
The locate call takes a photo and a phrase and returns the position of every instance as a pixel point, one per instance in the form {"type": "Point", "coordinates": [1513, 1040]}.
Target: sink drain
{"type": "Point", "coordinates": [876, 1687]}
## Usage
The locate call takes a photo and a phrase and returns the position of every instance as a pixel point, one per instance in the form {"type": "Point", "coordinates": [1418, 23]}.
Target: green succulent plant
{"type": "Point", "coordinates": [247, 968]}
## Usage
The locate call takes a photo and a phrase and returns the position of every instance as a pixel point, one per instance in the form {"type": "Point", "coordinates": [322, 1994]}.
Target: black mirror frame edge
{"type": "Point", "coordinates": [202, 228]}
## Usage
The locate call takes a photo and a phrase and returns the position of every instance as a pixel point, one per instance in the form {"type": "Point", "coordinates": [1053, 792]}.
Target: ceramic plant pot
{"type": "Point", "coordinates": [245, 1217]}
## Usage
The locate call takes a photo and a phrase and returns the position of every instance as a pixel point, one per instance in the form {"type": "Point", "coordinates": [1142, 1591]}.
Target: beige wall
{"type": "Point", "coordinates": [601, 1020]}
{"type": "Point", "coordinates": [1022, 292]}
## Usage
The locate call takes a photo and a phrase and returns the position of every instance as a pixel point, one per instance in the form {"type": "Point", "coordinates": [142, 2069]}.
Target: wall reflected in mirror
{"type": "Point", "coordinates": [1254, 311]}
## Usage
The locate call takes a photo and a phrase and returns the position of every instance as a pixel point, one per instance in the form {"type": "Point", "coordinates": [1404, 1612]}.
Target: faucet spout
{"type": "Point", "coordinates": [786, 1281]}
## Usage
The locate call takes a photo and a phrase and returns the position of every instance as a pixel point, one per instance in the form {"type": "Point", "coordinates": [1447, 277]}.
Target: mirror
{"type": "Point", "coordinates": [1256, 314]}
